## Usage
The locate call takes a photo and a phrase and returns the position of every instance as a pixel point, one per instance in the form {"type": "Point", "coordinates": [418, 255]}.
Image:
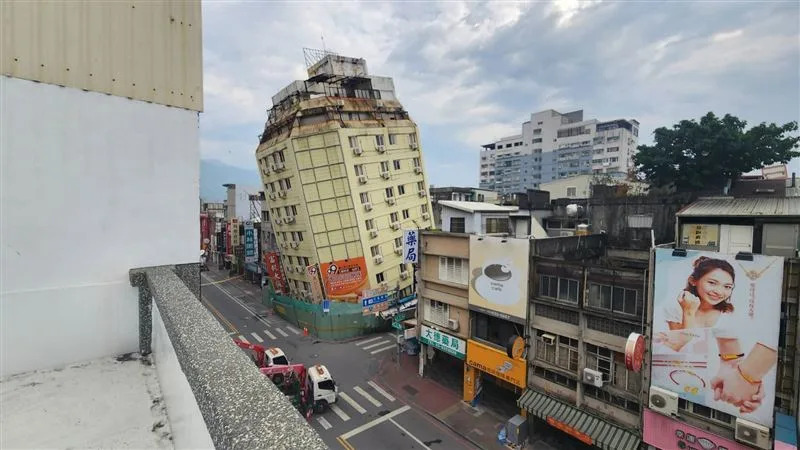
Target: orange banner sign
{"type": "Point", "coordinates": [345, 279]}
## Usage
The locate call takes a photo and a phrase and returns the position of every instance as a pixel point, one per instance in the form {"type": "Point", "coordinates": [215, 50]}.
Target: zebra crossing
{"type": "Point", "coordinates": [367, 401]}
{"type": "Point", "coordinates": [377, 344]}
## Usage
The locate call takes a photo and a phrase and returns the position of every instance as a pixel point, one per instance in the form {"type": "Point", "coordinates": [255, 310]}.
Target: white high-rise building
{"type": "Point", "coordinates": [557, 145]}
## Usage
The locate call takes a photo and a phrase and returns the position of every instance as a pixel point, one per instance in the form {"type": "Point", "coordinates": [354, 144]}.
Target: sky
{"type": "Point", "coordinates": [471, 72]}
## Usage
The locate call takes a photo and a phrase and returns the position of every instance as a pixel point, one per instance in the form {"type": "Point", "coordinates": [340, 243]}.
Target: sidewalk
{"type": "Point", "coordinates": [477, 425]}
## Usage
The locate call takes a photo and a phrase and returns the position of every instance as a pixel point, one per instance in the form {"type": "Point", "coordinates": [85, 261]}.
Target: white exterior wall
{"type": "Point", "coordinates": [558, 188]}
{"type": "Point", "coordinates": [93, 185]}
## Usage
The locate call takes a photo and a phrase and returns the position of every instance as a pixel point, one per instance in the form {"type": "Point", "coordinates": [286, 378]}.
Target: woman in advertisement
{"type": "Point", "coordinates": [702, 314]}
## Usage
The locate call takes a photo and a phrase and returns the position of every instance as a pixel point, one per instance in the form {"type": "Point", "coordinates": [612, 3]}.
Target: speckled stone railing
{"type": "Point", "coordinates": [241, 408]}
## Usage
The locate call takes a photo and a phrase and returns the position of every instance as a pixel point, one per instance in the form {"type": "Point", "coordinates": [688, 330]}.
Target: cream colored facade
{"type": "Point", "coordinates": [335, 205]}
{"type": "Point", "coordinates": [439, 286]}
{"type": "Point", "coordinates": [144, 50]}
{"type": "Point", "coordinates": [580, 186]}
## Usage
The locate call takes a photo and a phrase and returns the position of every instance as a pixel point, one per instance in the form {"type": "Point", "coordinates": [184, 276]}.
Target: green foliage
{"type": "Point", "coordinates": [702, 155]}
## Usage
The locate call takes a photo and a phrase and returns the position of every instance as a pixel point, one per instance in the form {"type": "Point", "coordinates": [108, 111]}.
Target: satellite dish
{"type": "Point", "coordinates": [574, 210]}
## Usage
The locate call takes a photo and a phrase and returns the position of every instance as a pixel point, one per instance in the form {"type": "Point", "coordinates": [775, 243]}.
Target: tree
{"type": "Point", "coordinates": [703, 155]}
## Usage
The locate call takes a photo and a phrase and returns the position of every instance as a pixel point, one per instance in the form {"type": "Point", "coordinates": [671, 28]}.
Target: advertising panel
{"type": "Point", "coordinates": [443, 341]}
{"type": "Point", "coordinates": [699, 235]}
{"type": "Point", "coordinates": [205, 230]}
{"type": "Point", "coordinates": [312, 272]}
{"type": "Point", "coordinates": [410, 246]}
{"type": "Point", "coordinates": [498, 276]}
{"type": "Point", "coordinates": [663, 432]}
{"type": "Point", "coordinates": [250, 245]}
{"type": "Point", "coordinates": [228, 245]}
{"type": "Point", "coordinates": [235, 240]}
{"type": "Point", "coordinates": [715, 330]}
{"type": "Point", "coordinates": [345, 279]}
{"type": "Point", "coordinates": [496, 363]}
{"type": "Point", "coordinates": [273, 263]}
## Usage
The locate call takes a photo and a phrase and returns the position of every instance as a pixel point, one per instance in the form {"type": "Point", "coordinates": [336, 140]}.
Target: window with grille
{"type": "Point", "coordinates": [384, 166]}
{"type": "Point", "coordinates": [704, 411]}
{"type": "Point", "coordinates": [396, 164]}
{"type": "Point", "coordinates": [436, 312]}
{"type": "Point", "coordinates": [552, 312]}
{"type": "Point", "coordinates": [398, 242]}
{"type": "Point", "coordinates": [564, 289]}
{"type": "Point", "coordinates": [424, 209]}
{"type": "Point", "coordinates": [562, 352]}
{"type": "Point", "coordinates": [612, 298]}
{"type": "Point", "coordinates": [457, 225]}
{"type": "Point", "coordinates": [379, 139]}
{"type": "Point", "coordinates": [608, 326]}
{"type": "Point", "coordinates": [406, 214]}
{"type": "Point", "coordinates": [353, 140]}
{"type": "Point", "coordinates": [401, 189]}
{"type": "Point", "coordinates": [375, 250]}
{"type": "Point", "coordinates": [364, 197]}
{"type": "Point", "coordinates": [394, 217]}
{"type": "Point", "coordinates": [497, 225]}
{"type": "Point", "coordinates": [359, 169]}
{"type": "Point", "coordinates": [369, 224]}
{"type": "Point", "coordinates": [454, 270]}
{"type": "Point", "coordinates": [392, 139]}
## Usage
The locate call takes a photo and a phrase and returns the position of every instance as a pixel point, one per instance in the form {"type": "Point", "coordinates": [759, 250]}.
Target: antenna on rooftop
{"type": "Point", "coordinates": [315, 55]}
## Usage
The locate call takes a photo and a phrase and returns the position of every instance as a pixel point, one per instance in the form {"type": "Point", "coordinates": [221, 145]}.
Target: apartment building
{"type": "Point", "coordinates": [583, 307]}
{"type": "Point", "coordinates": [343, 171]}
{"type": "Point", "coordinates": [556, 145]}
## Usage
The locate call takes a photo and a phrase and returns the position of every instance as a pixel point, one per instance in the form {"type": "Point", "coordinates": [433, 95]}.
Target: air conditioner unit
{"type": "Point", "coordinates": [272, 167]}
{"type": "Point", "coordinates": [299, 269]}
{"type": "Point", "coordinates": [593, 377]}
{"type": "Point", "coordinates": [368, 206]}
{"type": "Point", "coordinates": [413, 145]}
{"type": "Point", "coordinates": [279, 166]}
{"type": "Point", "coordinates": [390, 200]}
{"type": "Point", "coordinates": [278, 221]}
{"type": "Point", "coordinates": [385, 175]}
{"type": "Point", "coordinates": [404, 275]}
{"type": "Point", "coordinates": [282, 194]}
{"type": "Point", "coordinates": [426, 216]}
{"type": "Point", "coordinates": [452, 324]}
{"type": "Point", "coordinates": [373, 233]}
{"type": "Point", "coordinates": [417, 170]}
{"type": "Point", "coordinates": [399, 251]}
{"type": "Point", "coordinates": [380, 148]}
{"type": "Point", "coordinates": [290, 269]}
{"type": "Point", "coordinates": [284, 244]}
{"type": "Point", "coordinates": [548, 339]}
{"type": "Point", "coordinates": [272, 196]}
{"type": "Point", "coordinates": [357, 151]}
{"type": "Point", "coordinates": [395, 225]}
{"type": "Point", "coordinates": [384, 285]}
{"type": "Point", "coordinates": [378, 259]}
{"type": "Point", "coordinates": [422, 193]}
{"type": "Point", "coordinates": [362, 179]}
{"type": "Point", "coordinates": [752, 434]}
{"type": "Point", "coordinates": [294, 244]}
{"type": "Point", "coordinates": [663, 401]}
{"type": "Point", "coordinates": [288, 219]}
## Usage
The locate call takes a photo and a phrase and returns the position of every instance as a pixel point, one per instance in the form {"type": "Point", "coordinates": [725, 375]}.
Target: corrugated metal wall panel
{"type": "Point", "coordinates": [145, 50]}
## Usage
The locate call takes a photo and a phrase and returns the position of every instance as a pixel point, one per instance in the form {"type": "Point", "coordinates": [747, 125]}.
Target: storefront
{"type": "Point", "coordinates": [663, 432]}
{"type": "Point", "coordinates": [486, 364]}
{"type": "Point", "coordinates": [444, 355]}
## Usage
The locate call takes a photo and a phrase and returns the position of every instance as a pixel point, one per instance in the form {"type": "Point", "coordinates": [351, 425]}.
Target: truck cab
{"type": "Point", "coordinates": [274, 356]}
{"type": "Point", "coordinates": [321, 387]}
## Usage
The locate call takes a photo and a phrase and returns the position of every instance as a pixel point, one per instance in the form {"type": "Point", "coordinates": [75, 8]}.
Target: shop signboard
{"type": "Point", "coordinates": [345, 279]}
{"type": "Point", "coordinates": [699, 235]}
{"type": "Point", "coordinates": [250, 245]}
{"type": "Point", "coordinates": [273, 263]}
{"type": "Point", "coordinates": [498, 283]}
{"type": "Point", "coordinates": [205, 231]}
{"type": "Point", "coordinates": [661, 431]}
{"type": "Point", "coordinates": [443, 341]}
{"type": "Point", "coordinates": [235, 238]}
{"type": "Point", "coordinates": [375, 303]}
{"type": "Point", "coordinates": [410, 246]}
{"type": "Point", "coordinates": [715, 329]}
{"type": "Point", "coordinates": [496, 363]}
{"type": "Point", "coordinates": [312, 272]}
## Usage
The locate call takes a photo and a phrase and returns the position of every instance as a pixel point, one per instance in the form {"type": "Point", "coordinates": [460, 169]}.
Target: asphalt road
{"type": "Point", "coordinates": [366, 415]}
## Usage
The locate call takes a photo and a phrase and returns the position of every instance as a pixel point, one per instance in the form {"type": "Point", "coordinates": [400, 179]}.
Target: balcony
{"type": "Point", "coordinates": [187, 386]}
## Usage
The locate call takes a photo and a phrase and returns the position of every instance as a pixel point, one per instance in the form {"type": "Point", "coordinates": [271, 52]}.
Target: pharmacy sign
{"type": "Point", "coordinates": [444, 342]}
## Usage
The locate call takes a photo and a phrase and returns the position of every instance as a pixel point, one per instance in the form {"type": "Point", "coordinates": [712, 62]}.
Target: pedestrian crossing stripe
{"type": "Point", "coordinates": [383, 349]}
{"type": "Point", "coordinates": [352, 402]}
{"type": "Point", "coordinates": [338, 411]}
{"type": "Point", "coordinates": [325, 424]}
{"type": "Point", "coordinates": [359, 343]}
{"type": "Point", "coordinates": [381, 391]}
{"type": "Point", "coordinates": [271, 336]}
{"type": "Point", "coordinates": [367, 347]}
{"type": "Point", "coordinates": [293, 329]}
{"type": "Point", "coordinates": [241, 338]}
{"type": "Point", "coordinates": [283, 333]}
{"type": "Point", "coordinates": [257, 337]}
{"type": "Point", "coordinates": [366, 395]}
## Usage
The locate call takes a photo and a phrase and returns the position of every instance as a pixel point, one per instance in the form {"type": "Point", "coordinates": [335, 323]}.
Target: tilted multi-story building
{"type": "Point", "coordinates": [343, 172]}
{"type": "Point", "coordinates": [553, 145]}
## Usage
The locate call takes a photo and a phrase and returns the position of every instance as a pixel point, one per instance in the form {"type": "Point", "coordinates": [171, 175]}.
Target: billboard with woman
{"type": "Point", "coordinates": [715, 330]}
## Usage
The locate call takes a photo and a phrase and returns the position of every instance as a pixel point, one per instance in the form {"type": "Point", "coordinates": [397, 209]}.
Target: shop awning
{"type": "Point", "coordinates": [604, 434]}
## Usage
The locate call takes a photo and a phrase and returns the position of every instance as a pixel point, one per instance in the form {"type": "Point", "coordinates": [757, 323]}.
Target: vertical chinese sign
{"type": "Point", "coordinates": [410, 246]}
{"type": "Point", "coordinates": [274, 272]}
{"type": "Point", "coordinates": [250, 247]}
{"type": "Point", "coordinates": [312, 272]}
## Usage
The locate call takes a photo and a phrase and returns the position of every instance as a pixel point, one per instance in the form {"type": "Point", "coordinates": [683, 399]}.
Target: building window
{"type": "Point", "coordinates": [393, 217]}
{"type": "Point", "coordinates": [605, 396]}
{"type": "Point", "coordinates": [454, 270]}
{"type": "Point", "coordinates": [359, 169]}
{"type": "Point", "coordinates": [494, 330]}
{"type": "Point", "coordinates": [370, 224]}
{"type": "Point", "coordinates": [555, 377]}
{"type": "Point", "coordinates": [396, 163]}
{"type": "Point", "coordinates": [420, 186]}
{"type": "Point", "coordinates": [389, 192]}
{"type": "Point", "coordinates": [612, 149]}
{"type": "Point", "coordinates": [353, 140]}
{"type": "Point", "coordinates": [536, 140]}
{"type": "Point", "coordinates": [405, 214]}
{"type": "Point", "coordinates": [424, 209]}
{"type": "Point", "coordinates": [379, 277]}
{"type": "Point", "coordinates": [375, 250]}
{"type": "Point", "coordinates": [457, 225]}
{"type": "Point", "coordinates": [306, 261]}
{"type": "Point", "coordinates": [392, 139]}
{"type": "Point", "coordinates": [617, 299]}
{"type": "Point", "coordinates": [557, 350]}
{"type": "Point", "coordinates": [398, 242]}
{"type": "Point", "coordinates": [572, 191]}
{"type": "Point", "coordinates": [401, 189]}
{"type": "Point", "coordinates": [379, 139]}
{"type": "Point", "coordinates": [555, 313]}
{"type": "Point", "coordinates": [384, 166]}
{"type": "Point", "coordinates": [412, 138]}
{"type": "Point", "coordinates": [563, 289]}
{"type": "Point", "coordinates": [294, 209]}
{"type": "Point", "coordinates": [600, 359]}
{"type": "Point", "coordinates": [614, 327]}
{"type": "Point", "coordinates": [288, 184]}
{"type": "Point", "coordinates": [704, 411]}
{"type": "Point", "coordinates": [300, 236]}
{"type": "Point", "coordinates": [364, 197]}
{"type": "Point", "coordinates": [436, 312]}
{"type": "Point", "coordinates": [497, 225]}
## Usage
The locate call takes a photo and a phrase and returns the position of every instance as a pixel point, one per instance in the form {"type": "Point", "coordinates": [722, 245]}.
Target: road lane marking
{"type": "Point", "coordinates": [325, 424]}
{"type": "Point", "coordinates": [293, 329]}
{"type": "Point", "coordinates": [219, 281]}
{"type": "Point", "coordinates": [380, 390]}
{"type": "Point", "coordinates": [258, 338]}
{"type": "Point", "coordinates": [271, 336]}
{"type": "Point", "coordinates": [219, 314]}
{"type": "Point", "coordinates": [345, 444]}
{"type": "Point", "coordinates": [377, 421]}
{"type": "Point", "coordinates": [283, 333]}
{"type": "Point", "coordinates": [366, 395]}
{"type": "Point", "coordinates": [367, 347]}
{"type": "Point", "coordinates": [383, 349]}
{"type": "Point", "coordinates": [369, 340]}
{"type": "Point", "coordinates": [410, 435]}
{"type": "Point", "coordinates": [342, 415]}
{"type": "Point", "coordinates": [352, 402]}
{"type": "Point", "coordinates": [245, 307]}
{"type": "Point", "coordinates": [241, 338]}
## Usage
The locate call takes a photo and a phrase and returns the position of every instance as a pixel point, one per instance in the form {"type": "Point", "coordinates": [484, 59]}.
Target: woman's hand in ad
{"type": "Point", "coordinates": [689, 303]}
{"type": "Point", "coordinates": [675, 340]}
{"type": "Point", "coordinates": [729, 386]}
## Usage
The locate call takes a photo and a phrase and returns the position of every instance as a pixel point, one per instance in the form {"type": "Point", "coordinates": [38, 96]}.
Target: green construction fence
{"type": "Point", "coordinates": [343, 321]}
